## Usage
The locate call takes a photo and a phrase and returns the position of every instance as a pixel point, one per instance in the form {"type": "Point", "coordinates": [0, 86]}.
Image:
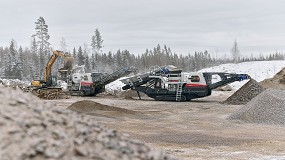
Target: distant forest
{"type": "Point", "coordinates": [28, 63]}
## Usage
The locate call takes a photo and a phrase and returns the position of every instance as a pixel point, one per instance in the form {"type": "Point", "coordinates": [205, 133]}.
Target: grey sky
{"type": "Point", "coordinates": [184, 25]}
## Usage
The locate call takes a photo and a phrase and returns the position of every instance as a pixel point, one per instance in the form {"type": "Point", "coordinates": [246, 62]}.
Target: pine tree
{"type": "Point", "coordinates": [12, 68]}
{"type": "Point", "coordinates": [36, 60]}
{"type": "Point", "coordinates": [97, 45]}
{"type": "Point", "coordinates": [87, 63]}
{"type": "Point", "coordinates": [118, 60]}
{"type": "Point", "coordinates": [2, 60]}
{"type": "Point", "coordinates": [42, 43]}
{"type": "Point", "coordinates": [75, 60]}
{"type": "Point", "coordinates": [235, 52]}
{"type": "Point", "coordinates": [92, 61]}
{"type": "Point", "coordinates": [97, 42]}
{"type": "Point", "coordinates": [21, 62]}
{"type": "Point", "coordinates": [80, 57]}
{"type": "Point", "coordinates": [110, 60]}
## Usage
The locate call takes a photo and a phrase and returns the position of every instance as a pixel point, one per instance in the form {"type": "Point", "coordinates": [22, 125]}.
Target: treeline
{"type": "Point", "coordinates": [29, 63]}
{"type": "Point", "coordinates": [19, 63]}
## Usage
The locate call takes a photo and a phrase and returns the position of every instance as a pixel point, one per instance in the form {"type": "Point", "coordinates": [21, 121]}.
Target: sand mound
{"type": "Point", "coordinates": [86, 106]}
{"type": "Point", "coordinates": [267, 108]}
{"type": "Point", "coordinates": [246, 93]}
{"type": "Point", "coordinates": [32, 129]}
{"type": "Point", "coordinates": [277, 82]}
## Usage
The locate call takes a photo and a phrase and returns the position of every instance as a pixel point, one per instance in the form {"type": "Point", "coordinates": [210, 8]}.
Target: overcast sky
{"type": "Point", "coordinates": [184, 25]}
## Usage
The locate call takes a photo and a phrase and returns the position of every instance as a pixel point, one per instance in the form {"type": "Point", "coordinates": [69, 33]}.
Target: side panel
{"type": "Point", "coordinates": [87, 88]}
{"type": "Point", "coordinates": [196, 90]}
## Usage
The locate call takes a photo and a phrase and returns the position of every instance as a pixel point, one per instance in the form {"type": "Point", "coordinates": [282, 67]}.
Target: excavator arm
{"type": "Point", "coordinates": [47, 72]}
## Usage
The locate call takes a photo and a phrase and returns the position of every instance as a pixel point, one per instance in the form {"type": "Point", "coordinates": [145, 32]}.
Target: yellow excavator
{"type": "Point", "coordinates": [46, 88]}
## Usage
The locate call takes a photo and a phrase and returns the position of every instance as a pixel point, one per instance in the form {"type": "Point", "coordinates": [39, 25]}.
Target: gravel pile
{"type": "Point", "coordinates": [245, 94]}
{"type": "Point", "coordinates": [266, 108]}
{"type": "Point", "coordinates": [32, 129]}
{"type": "Point", "coordinates": [276, 82]}
{"type": "Point", "coordinates": [86, 106]}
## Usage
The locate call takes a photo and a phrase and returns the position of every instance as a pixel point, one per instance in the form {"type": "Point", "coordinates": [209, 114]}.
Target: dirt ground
{"type": "Point", "coordinates": [190, 130]}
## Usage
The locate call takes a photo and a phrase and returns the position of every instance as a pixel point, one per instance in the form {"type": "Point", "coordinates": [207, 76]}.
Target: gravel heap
{"type": "Point", "coordinates": [245, 94]}
{"type": "Point", "coordinates": [276, 82]}
{"type": "Point", "coordinates": [267, 108]}
{"type": "Point", "coordinates": [32, 129]}
{"type": "Point", "coordinates": [86, 106]}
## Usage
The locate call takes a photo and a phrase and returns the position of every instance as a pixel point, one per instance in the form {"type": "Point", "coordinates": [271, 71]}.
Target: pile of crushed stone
{"type": "Point", "coordinates": [276, 82]}
{"type": "Point", "coordinates": [32, 129]}
{"type": "Point", "coordinates": [86, 106]}
{"type": "Point", "coordinates": [266, 108]}
{"type": "Point", "coordinates": [245, 94]}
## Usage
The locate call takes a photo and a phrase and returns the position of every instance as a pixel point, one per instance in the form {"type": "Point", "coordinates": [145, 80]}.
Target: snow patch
{"type": "Point", "coordinates": [258, 70]}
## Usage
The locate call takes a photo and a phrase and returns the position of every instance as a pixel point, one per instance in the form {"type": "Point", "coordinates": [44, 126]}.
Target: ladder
{"type": "Point", "coordinates": [178, 92]}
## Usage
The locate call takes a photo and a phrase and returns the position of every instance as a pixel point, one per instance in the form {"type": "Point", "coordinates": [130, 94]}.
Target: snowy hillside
{"type": "Point", "coordinates": [258, 70]}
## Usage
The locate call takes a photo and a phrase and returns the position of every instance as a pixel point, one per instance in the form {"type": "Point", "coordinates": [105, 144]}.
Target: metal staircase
{"type": "Point", "coordinates": [178, 92]}
{"type": "Point", "coordinates": [151, 83]}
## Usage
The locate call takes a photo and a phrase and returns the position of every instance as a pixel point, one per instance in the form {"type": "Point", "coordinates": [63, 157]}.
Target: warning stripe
{"type": "Point", "coordinates": [86, 83]}
{"type": "Point", "coordinates": [195, 85]}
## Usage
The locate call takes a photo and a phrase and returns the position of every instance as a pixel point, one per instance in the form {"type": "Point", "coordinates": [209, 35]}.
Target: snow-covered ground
{"type": "Point", "coordinates": [115, 86]}
{"type": "Point", "coordinates": [9, 82]}
{"type": "Point", "coordinates": [258, 70]}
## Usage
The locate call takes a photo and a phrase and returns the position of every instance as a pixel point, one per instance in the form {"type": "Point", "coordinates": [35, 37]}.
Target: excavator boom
{"type": "Point", "coordinates": [47, 72]}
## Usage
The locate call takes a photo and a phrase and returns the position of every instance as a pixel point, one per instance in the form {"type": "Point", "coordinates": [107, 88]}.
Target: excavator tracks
{"type": "Point", "coordinates": [51, 93]}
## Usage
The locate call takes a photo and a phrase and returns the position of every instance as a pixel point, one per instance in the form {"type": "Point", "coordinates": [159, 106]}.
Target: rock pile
{"type": "Point", "coordinates": [32, 129]}
{"type": "Point", "coordinates": [245, 94]}
{"type": "Point", "coordinates": [276, 82]}
{"type": "Point", "coordinates": [267, 108]}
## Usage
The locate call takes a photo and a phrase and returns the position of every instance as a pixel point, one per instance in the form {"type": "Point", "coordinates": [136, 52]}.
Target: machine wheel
{"type": "Point", "coordinates": [183, 99]}
{"type": "Point", "coordinates": [188, 98]}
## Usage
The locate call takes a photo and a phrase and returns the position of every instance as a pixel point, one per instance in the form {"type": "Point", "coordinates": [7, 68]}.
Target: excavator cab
{"type": "Point", "coordinates": [54, 81]}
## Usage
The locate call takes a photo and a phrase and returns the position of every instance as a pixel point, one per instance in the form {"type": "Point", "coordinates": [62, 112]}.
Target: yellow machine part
{"type": "Point", "coordinates": [36, 84]}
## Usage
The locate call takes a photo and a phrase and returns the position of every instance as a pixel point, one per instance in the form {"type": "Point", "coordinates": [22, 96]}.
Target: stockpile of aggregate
{"type": "Point", "coordinates": [245, 94]}
{"type": "Point", "coordinates": [276, 82]}
{"type": "Point", "coordinates": [33, 129]}
{"type": "Point", "coordinates": [266, 108]}
{"type": "Point", "coordinates": [86, 106]}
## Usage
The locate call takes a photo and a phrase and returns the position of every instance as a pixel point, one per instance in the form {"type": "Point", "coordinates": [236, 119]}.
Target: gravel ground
{"type": "Point", "coordinates": [245, 94]}
{"type": "Point", "coordinates": [267, 108]}
{"type": "Point", "coordinates": [33, 129]}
